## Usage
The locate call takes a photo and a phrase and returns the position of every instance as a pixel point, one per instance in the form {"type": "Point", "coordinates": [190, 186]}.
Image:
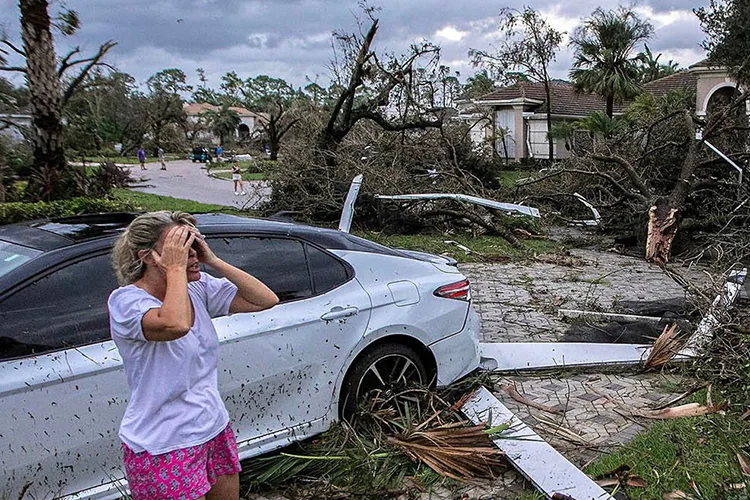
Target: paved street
{"type": "Point", "coordinates": [185, 179]}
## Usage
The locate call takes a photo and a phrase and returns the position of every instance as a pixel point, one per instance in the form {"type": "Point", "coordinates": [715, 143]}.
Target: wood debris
{"type": "Point", "coordinates": [666, 347]}
{"type": "Point", "coordinates": [516, 396]}
{"type": "Point", "coordinates": [686, 410]}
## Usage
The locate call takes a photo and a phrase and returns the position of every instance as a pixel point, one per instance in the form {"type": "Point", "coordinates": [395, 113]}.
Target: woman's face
{"type": "Point", "coordinates": [193, 266]}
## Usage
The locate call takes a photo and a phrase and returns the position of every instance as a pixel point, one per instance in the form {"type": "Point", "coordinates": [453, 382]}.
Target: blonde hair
{"type": "Point", "coordinates": [142, 234]}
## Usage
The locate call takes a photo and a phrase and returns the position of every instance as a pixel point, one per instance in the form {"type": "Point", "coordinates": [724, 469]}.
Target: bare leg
{"type": "Point", "coordinates": [226, 488]}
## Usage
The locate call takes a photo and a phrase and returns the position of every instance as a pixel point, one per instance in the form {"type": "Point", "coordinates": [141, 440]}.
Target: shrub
{"type": "Point", "coordinates": [18, 211]}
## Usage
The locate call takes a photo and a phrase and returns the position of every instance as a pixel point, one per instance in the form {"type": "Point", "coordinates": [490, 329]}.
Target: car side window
{"type": "Point", "coordinates": [327, 272]}
{"type": "Point", "coordinates": [66, 308]}
{"type": "Point", "coordinates": [278, 262]}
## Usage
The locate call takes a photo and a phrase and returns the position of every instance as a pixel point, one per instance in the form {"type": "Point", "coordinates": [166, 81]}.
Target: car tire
{"type": "Point", "coordinates": [364, 375]}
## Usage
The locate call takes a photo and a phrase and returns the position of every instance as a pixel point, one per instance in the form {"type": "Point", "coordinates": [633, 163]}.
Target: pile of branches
{"type": "Point", "coordinates": [651, 158]}
{"type": "Point", "coordinates": [406, 441]}
{"type": "Point", "coordinates": [436, 160]}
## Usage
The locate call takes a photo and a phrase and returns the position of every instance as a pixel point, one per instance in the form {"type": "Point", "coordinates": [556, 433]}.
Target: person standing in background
{"type": "Point", "coordinates": [162, 159]}
{"type": "Point", "coordinates": [142, 157]}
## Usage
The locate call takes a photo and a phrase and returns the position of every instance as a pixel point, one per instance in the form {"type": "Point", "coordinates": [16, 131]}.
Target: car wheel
{"type": "Point", "coordinates": [388, 368]}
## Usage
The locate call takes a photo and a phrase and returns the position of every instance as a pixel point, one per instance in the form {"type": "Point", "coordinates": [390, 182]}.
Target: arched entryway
{"type": "Point", "coordinates": [243, 131]}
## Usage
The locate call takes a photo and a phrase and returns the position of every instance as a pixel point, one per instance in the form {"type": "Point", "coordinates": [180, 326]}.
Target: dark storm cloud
{"type": "Point", "coordinates": [291, 38]}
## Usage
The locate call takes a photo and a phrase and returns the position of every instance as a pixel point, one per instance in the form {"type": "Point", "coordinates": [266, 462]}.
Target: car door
{"type": "Point", "coordinates": [278, 367]}
{"type": "Point", "coordinates": [62, 389]}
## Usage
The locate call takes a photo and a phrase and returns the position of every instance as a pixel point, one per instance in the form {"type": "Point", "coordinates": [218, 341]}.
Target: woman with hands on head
{"type": "Point", "coordinates": [177, 440]}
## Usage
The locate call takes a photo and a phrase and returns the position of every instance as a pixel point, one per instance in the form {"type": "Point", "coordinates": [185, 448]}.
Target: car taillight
{"type": "Point", "coordinates": [460, 290]}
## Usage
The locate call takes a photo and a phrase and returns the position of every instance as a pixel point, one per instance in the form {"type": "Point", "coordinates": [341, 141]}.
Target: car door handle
{"type": "Point", "coordinates": [339, 312]}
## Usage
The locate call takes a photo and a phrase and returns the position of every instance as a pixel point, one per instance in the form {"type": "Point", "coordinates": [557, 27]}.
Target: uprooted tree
{"type": "Point", "coordinates": [653, 163]}
{"type": "Point", "coordinates": [386, 122]}
{"type": "Point", "coordinates": [387, 93]}
{"type": "Point", "coordinates": [50, 89]}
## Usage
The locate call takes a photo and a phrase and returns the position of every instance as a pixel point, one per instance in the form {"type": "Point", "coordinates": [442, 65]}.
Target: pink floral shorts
{"type": "Point", "coordinates": [184, 474]}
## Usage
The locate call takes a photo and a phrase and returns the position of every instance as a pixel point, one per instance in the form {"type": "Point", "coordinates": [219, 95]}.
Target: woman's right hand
{"type": "Point", "coordinates": [175, 249]}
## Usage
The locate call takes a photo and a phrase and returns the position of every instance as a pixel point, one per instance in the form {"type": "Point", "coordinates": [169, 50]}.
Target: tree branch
{"type": "Point", "coordinates": [65, 63]}
{"type": "Point", "coordinates": [395, 127]}
{"type": "Point", "coordinates": [629, 170]}
{"type": "Point", "coordinates": [12, 47]}
{"type": "Point", "coordinates": [91, 62]}
{"type": "Point", "coordinates": [13, 68]}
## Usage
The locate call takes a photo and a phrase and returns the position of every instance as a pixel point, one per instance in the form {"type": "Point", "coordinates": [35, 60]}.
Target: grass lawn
{"type": "Point", "coordinates": [152, 202]}
{"type": "Point", "coordinates": [245, 176]}
{"type": "Point", "coordinates": [487, 248]}
{"type": "Point", "coordinates": [128, 160]}
{"type": "Point", "coordinates": [672, 453]}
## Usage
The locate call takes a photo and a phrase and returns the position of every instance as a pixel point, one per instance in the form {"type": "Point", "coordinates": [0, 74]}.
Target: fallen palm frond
{"type": "Point", "coordinates": [409, 439]}
{"type": "Point", "coordinates": [453, 450]}
{"type": "Point", "coordinates": [666, 346]}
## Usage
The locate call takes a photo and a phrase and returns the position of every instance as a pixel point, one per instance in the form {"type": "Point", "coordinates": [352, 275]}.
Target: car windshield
{"type": "Point", "coordinates": [13, 256]}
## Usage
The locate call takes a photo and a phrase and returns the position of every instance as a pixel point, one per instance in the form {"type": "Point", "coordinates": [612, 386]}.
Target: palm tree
{"type": "Point", "coordinates": [604, 61]}
{"type": "Point", "coordinates": [223, 122]}
{"type": "Point", "coordinates": [652, 69]}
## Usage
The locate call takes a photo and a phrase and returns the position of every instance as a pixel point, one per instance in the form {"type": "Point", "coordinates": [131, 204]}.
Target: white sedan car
{"type": "Point", "coordinates": [354, 316]}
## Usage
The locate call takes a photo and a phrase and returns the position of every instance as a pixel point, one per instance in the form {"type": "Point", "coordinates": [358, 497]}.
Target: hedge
{"type": "Point", "coordinates": [19, 211]}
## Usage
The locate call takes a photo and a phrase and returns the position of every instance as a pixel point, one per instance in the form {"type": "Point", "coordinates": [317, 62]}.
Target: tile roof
{"type": "Point", "coordinates": [678, 81]}
{"type": "Point", "coordinates": [565, 100]}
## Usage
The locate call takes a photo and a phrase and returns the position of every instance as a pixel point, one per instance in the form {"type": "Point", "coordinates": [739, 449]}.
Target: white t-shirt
{"type": "Point", "coordinates": [174, 397]}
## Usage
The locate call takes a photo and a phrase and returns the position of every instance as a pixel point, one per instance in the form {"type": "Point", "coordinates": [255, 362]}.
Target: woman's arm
{"type": "Point", "coordinates": [252, 294]}
{"type": "Point", "coordinates": [174, 318]}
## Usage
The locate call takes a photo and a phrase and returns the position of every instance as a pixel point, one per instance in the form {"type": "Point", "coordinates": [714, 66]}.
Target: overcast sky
{"type": "Point", "coordinates": [291, 39]}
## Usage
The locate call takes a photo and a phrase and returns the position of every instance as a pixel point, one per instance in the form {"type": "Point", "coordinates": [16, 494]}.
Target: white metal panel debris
{"type": "Point", "coordinates": [596, 221]}
{"type": "Point", "coordinates": [512, 356]}
{"type": "Point", "coordinates": [534, 458]}
{"type": "Point", "coordinates": [347, 214]}
{"type": "Point", "coordinates": [711, 320]}
{"type": "Point", "coordinates": [626, 318]}
{"type": "Point", "coordinates": [506, 207]}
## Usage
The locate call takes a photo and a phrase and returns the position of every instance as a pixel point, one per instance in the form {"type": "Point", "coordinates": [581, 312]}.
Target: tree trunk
{"type": "Point", "coordinates": [46, 100]}
{"type": "Point", "coordinates": [610, 106]}
{"type": "Point", "coordinates": [665, 214]}
{"type": "Point", "coordinates": [662, 228]}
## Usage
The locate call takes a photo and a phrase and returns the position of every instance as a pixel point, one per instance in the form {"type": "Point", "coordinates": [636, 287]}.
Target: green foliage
{"type": "Point", "coordinates": [604, 61]}
{"type": "Point", "coordinates": [727, 27]}
{"type": "Point", "coordinates": [599, 124]}
{"type": "Point", "coordinates": [18, 211]}
{"type": "Point", "coordinates": [672, 453]}
{"type": "Point", "coordinates": [152, 202]}
{"type": "Point", "coordinates": [651, 69]}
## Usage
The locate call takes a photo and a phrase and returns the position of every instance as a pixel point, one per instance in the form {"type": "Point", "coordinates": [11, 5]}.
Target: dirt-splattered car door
{"type": "Point", "coordinates": [278, 367]}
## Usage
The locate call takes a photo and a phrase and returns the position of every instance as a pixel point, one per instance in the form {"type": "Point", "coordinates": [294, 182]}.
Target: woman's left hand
{"type": "Point", "coordinates": [205, 254]}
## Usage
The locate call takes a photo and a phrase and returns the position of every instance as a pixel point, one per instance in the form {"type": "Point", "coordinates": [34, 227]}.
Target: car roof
{"type": "Point", "coordinates": [54, 233]}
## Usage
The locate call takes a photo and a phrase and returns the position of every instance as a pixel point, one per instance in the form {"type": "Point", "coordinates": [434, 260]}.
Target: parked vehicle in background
{"type": "Point", "coordinates": [200, 154]}
{"type": "Point", "coordinates": [354, 317]}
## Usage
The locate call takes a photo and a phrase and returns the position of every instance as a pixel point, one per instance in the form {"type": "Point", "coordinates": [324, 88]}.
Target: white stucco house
{"type": "Point", "coordinates": [515, 116]}
{"type": "Point", "coordinates": [249, 121]}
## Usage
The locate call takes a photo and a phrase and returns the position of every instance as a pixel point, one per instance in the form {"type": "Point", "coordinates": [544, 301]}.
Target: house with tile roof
{"type": "Point", "coordinates": [250, 121]}
{"type": "Point", "coordinates": [516, 115]}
